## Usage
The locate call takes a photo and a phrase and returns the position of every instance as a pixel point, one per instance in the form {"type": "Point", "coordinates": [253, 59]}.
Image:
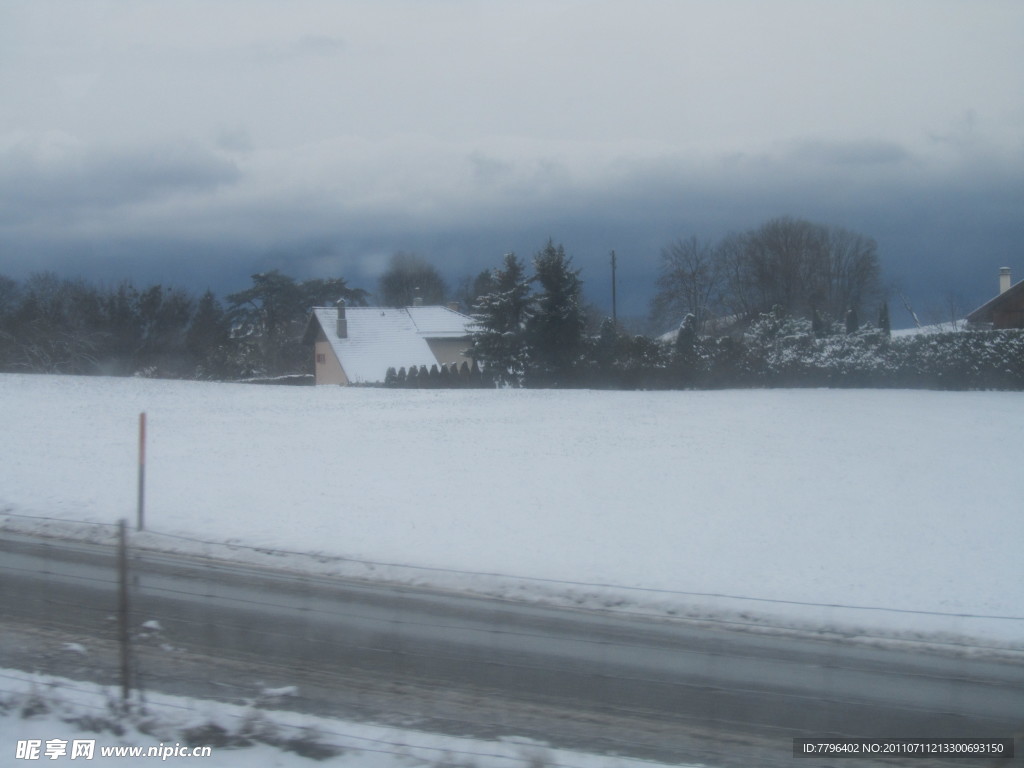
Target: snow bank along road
{"type": "Point", "coordinates": [648, 688]}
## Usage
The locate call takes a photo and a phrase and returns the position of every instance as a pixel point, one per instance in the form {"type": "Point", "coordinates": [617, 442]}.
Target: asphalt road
{"type": "Point", "coordinates": [665, 690]}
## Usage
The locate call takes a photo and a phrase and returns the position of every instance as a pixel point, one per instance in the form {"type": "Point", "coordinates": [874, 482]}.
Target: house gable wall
{"type": "Point", "coordinates": [327, 368]}
{"type": "Point", "coordinates": [1009, 314]}
{"type": "Point", "coordinates": [448, 351]}
{"type": "Point", "coordinates": [1004, 311]}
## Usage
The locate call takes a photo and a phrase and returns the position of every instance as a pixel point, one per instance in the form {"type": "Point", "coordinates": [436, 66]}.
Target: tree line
{"type": "Point", "coordinates": [788, 303]}
{"type": "Point", "coordinates": [531, 330]}
{"type": "Point", "coordinates": [50, 324]}
{"type": "Point", "coordinates": [801, 269]}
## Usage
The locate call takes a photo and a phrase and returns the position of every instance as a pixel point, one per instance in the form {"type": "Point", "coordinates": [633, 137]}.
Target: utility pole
{"type": "Point", "coordinates": [615, 318]}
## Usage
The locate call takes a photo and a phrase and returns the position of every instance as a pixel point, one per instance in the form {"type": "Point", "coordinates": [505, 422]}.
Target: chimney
{"type": "Point", "coordinates": [342, 320]}
{"type": "Point", "coordinates": [1004, 279]}
{"type": "Point", "coordinates": [418, 301]}
{"type": "Point", "coordinates": [453, 306]}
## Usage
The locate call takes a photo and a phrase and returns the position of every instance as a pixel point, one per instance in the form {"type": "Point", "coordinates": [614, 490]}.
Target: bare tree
{"type": "Point", "coordinates": [947, 314]}
{"type": "Point", "coordinates": [690, 283]}
{"type": "Point", "coordinates": [800, 266]}
{"type": "Point", "coordinates": [411, 277]}
{"type": "Point", "coordinates": [854, 271]}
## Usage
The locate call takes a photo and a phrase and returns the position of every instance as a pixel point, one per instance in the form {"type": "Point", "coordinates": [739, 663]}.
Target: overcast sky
{"type": "Point", "coordinates": [196, 141]}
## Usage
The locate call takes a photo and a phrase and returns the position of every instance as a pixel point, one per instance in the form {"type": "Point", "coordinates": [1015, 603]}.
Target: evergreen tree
{"type": "Point", "coordinates": [120, 308]}
{"type": "Point", "coordinates": [852, 321]}
{"type": "Point", "coordinates": [10, 297]}
{"type": "Point", "coordinates": [686, 350]}
{"type": "Point", "coordinates": [208, 339]}
{"type": "Point", "coordinates": [818, 325]}
{"type": "Point", "coordinates": [164, 316]}
{"type": "Point", "coordinates": [686, 336]}
{"type": "Point", "coordinates": [479, 378]}
{"type": "Point", "coordinates": [262, 320]}
{"type": "Point", "coordinates": [883, 319]}
{"type": "Point", "coordinates": [499, 341]}
{"type": "Point", "coordinates": [555, 331]}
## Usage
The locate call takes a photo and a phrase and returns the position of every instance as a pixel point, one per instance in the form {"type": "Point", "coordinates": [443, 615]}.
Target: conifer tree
{"type": "Point", "coordinates": [555, 331]}
{"type": "Point", "coordinates": [208, 338]}
{"type": "Point", "coordinates": [883, 319]}
{"type": "Point", "coordinates": [686, 348]}
{"type": "Point", "coordinates": [499, 342]}
{"type": "Point", "coordinates": [852, 321]}
{"type": "Point", "coordinates": [267, 317]}
{"type": "Point", "coordinates": [818, 326]}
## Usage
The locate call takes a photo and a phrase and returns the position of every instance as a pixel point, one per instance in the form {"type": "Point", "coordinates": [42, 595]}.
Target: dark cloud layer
{"type": "Point", "coordinates": [942, 236]}
{"type": "Point", "coordinates": [48, 186]}
{"type": "Point", "coordinates": [195, 144]}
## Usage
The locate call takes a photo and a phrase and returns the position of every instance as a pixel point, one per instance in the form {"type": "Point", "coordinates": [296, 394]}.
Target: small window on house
{"type": "Point", "coordinates": [321, 358]}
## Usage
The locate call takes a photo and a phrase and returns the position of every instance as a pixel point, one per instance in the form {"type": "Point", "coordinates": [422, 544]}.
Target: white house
{"type": "Point", "coordinates": [357, 345]}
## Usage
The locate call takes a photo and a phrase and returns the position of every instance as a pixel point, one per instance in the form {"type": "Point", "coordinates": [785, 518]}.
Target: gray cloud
{"type": "Point", "coordinates": [306, 46]}
{"type": "Point", "coordinates": [60, 180]}
{"type": "Point", "coordinates": [318, 45]}
{"type": "Point", "coordinates": [321, 137]}
{"type": "Point", "coordinates": [862, 153]}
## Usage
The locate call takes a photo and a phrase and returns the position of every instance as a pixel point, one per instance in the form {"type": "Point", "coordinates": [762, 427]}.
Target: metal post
{"type": "Point", "coordinates": [122, 612]}
{"type": "Point", "coordinates": [142, 472]}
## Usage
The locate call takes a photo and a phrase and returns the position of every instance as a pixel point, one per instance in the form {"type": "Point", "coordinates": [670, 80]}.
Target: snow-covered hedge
{"type": "Point", "coordinates": [790, 355]}
{"type": "Point", "coordinates": [781, 351]}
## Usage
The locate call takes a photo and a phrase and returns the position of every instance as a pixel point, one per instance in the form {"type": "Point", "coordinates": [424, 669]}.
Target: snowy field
{"type": "Point", "coordinates": [753, 507]}
{"type": "Point", "coordinates": [55, 713]}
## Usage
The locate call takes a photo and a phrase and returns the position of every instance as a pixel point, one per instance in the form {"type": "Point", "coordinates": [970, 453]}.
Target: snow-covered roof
{"type": "Point", "coordinates": [384, 337]}
{"type": "Point", "coordinates": [439, 322]}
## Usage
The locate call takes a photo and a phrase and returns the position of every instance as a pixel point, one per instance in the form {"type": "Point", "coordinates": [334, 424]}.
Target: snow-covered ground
{"type": "Point", "coordinates": [755, 507]}
{"type": "Point", "coordinates": [50, 713]}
